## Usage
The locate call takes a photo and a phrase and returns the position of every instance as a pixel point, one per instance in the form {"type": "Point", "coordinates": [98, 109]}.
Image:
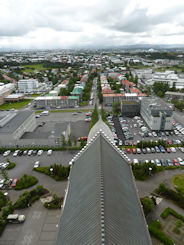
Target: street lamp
{"type": "Point", "coordinates": [150, 169]}
{"type": "Point", "coordinates": [51, 170]}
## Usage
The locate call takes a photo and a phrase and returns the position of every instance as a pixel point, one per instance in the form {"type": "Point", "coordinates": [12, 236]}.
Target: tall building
{"type": "Point", "coordinates": [101, 204]}
{"type": "Point", "coordinates": [157, 114]}
{"type": "Point", "coordinates": [27, 85]}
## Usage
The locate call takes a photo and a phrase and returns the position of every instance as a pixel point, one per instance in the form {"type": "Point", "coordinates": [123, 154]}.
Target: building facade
{"type": "Point", "coordinates": [157, 114]}
{"type": "Point", "coordinates": [27, 85]}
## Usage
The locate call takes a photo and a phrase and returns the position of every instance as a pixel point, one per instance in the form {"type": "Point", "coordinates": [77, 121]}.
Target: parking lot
{"type": "Point", "coordinates": [41, 225]}
{"type": "Point", "coordinates": [52, 126]}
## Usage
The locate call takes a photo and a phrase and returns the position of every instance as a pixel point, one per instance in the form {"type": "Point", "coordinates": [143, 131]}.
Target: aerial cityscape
{"type": "Point", "coordinates": [91, 122]}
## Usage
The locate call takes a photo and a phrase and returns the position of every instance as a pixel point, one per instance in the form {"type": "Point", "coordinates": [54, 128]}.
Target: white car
{"type": "Point", "coordinates": [6, 153]}
{"type": "Point", "coordinates": [15, 153]}
{"type": "Point", "coordinates": [2, 183]}
{"type": "Point", "coordinates": [49, 152]}
{"type": "Point", "coordinates": [30, 152]}
{"type": "Point", "coordinates": [173, 149]}
{"type": "Point", "coordinates": [40, 152]}
{"type": "Point", "coordinates": [181, 161]}
{"type": "Point", "coordinates": [135, 161]}
{"type": "Point", "coordinates": [36, 164]}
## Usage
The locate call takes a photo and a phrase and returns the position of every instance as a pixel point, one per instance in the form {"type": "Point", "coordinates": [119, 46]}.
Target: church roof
{"type": "Point", "coordinates": [96, 128]}
{"type": "Point", "coordinates": [101, 205]}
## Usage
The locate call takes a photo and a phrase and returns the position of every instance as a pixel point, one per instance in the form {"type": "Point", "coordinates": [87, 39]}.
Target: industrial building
{"type": "Point", "coordinates": [13, 124]}
{"type": "Point", "coordinates": [5, 90]}
{"type": "Point", "coordinates": [101, 205]}
{"type": "Point", "coordinates": [157, 114]}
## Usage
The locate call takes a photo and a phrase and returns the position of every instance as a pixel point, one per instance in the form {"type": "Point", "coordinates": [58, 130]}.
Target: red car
{"type": "Point", "coordinates": [169, 142]}
{"type": "Point", "coordinates": [168, 150]}
{"type": "Point", "coordinates": [176, 163]}
{"type": "Point", "coordinates": [14, 182]}
{"type": "Point", "coordinates": [128, 150]}
{"type": "Point", "coordinates": [134, 151]}
{"type": "Point", "coordinates": [84, 138]}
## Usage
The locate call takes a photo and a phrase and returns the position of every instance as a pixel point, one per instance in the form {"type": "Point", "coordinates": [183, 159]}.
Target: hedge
{"type": "Point", "coordinates": [11, 165]}
{"type": "Point", "coordinates": [171, 211]}
{"type": "Point", "coordinates": [25, 182]}
{"type": "Point", "coordinates": [155, 230]}
{"type": "Point", "coordinates": [176, 197]}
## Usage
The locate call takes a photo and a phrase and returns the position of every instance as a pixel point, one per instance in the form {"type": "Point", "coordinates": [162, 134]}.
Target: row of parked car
{"type": "Point", "coordinates": [156, 149]}
{"type": "Point", "coordinates": [26, 153]}
{"type": "Point", "coordinates": [165, 163]}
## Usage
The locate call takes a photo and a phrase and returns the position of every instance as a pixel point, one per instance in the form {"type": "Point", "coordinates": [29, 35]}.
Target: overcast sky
{"type": "Point", "coordinates": [81, 23]}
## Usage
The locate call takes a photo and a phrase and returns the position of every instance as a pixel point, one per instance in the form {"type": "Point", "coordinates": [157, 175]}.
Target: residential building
{"type": "Point", "coordinates": [157, 114]}
{"type": "Point", "coordinates": [101, 205]}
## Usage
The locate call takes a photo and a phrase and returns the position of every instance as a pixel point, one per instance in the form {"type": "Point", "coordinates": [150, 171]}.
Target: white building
{"type": "Point", "coordinates": [28, 85]}
{"type": "Point", "coordinates": [157, 114]}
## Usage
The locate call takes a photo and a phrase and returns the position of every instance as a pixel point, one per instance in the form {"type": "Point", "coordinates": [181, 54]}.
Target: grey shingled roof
{"type": "Point", "coordinates": [102, 205]}
{"type": "Point", "coordinates": [15, 122]}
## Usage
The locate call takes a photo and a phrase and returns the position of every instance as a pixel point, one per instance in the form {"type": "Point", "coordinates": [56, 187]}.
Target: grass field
{"type": "Point", "coordinates": [178, 181]}
{"type": "Point", "coordinates": [32, 68]}
{"type": "Point", "coordinates": [15, 105]}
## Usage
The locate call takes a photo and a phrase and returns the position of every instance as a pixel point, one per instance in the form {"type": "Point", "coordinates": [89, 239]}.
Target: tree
{"type": "Point", "coordinates": [63, 141]}
{"type": "Point", "coordinates": [69, 141]}
{"type": "Point", "coordinates": [116, 107]}
{"type": "Point", "coordinates": [148, 205]}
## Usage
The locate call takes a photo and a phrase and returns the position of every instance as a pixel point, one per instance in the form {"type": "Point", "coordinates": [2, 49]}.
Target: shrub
{"type": "Point", "coordinates": [33, 199]}
{"type": "Point", "coordinates": [3, 200]}
{"type": "Point", "coordinates": [59, 172]}
{"type": "Point", "coordinates": [2, 224]}
{"type": "Point", "coordinates": [148, 205]}
{"type": "Point", "coordinates": [23, 200]}
{"type": "Point", "coordinates": [11, 165]}
{"type": "Point", "coordinates": [155, 230]}
{"type": "Point", "coordinates": [25, 182]}
{"type": "Point", "coordinates": [55, 203]}
{"type": "Point", "coordinates": [7, 210]}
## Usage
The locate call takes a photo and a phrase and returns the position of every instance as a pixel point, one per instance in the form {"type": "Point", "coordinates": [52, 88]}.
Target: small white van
{"type": "Point", "coordinates": [16, 218]}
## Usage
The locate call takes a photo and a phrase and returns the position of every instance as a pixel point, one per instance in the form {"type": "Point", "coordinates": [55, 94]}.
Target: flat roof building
{"type": "Point", "coordinates": [157, 114]}
{"type": "Point", "coordinates": [15, 123]}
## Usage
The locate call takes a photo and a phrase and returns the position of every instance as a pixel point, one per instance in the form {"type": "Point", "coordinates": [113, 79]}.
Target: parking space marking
{"type": "Point", "coordinates": [27, 239]}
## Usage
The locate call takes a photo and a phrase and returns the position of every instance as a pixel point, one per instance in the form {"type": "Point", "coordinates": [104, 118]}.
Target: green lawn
{"type": "Point", "coordinates": [32, 68]}
{"type": "Point", "coordinates": [178, 181]}
{"type": "Point", "coordinates": [15, 105]}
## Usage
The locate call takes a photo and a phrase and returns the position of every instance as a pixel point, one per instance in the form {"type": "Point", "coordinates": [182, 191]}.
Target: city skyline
{"type": "Point", "coordinates": [106, 23]}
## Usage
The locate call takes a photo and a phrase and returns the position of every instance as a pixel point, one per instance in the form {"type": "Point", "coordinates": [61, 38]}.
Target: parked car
{"type": "Point", "coordinates": [144, 150]}
{"type": "Point", "coordinates": [176, 162]}
{"type": "Point", "coordinates": [157, 149]}
{"type": "Point", "coordinates": [152, 149]}
{"type": "Point", "coordinates": [36, 164]}
{"type": "Point", "coordinates": [30, 152]}
{"type": "Point", "coordinates": [49, 152]}
{"type": "Point", "coordinates": [34, 152]}
{"type": "Point", "coordinates": [135, 161]}
{"type": "Point", "coordinates": [148, 150]}
{"type": "Point", "coordinates": [134, 151]}
{"type": "Point", "coordinates": [162, 149]}
{"type": "Point", "coordinates": [40, 152]}
{"type": "Point", "coordinates": [168, 150]}
{"type": "Point", "coordinates": [181, 161]}
{"type": "Point", "coordinates": [14, 182]}
{"type": "Point", "coordinates": [157, 162]}
{"type": "Point", "coordinates": [15, 153]}
{"type": "Point", "coordinates": [163, 162]}
{"type": "Point", "coordinates": [169, 162]}
{"type": "Point", "coordinates": [15, 218]}
{"type": "Point", "coordinates": [84, 138]}
{"type": "Point", "coordinates": [6, 153]}
{"type": "Point", "coordinates": [138, 150]}
{"type": "Point", "coordinates": [173, 149]}
{"type": "Point", "coordinates": [128, 150]}
{"type": "Point", "coordinates": [25, 153]}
